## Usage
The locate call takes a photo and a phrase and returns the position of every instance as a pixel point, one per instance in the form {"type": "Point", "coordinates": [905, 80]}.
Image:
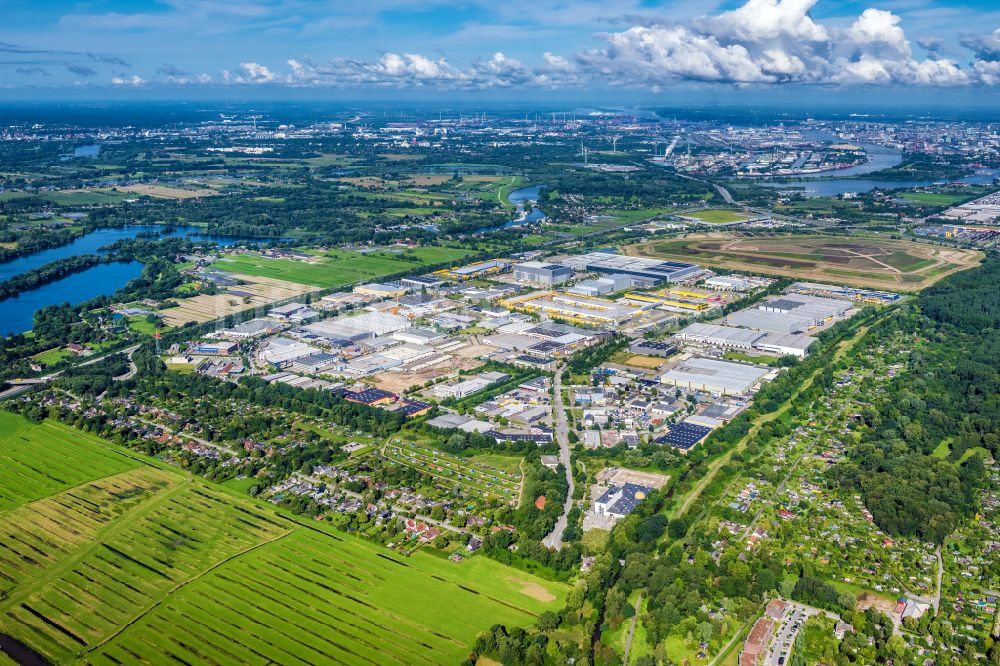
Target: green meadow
{"type": "Point", "coordinates": [340, 268]}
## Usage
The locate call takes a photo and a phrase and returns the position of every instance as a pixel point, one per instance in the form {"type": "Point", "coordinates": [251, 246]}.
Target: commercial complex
{"type": "Point", "coordinates": [573, 307]}
{"type": "Point", "coordinates": [540, 272]}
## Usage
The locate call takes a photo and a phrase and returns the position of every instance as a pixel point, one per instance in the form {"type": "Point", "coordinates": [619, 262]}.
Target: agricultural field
{"type": "Point", "coordinates": [52, 356]}
{"type": "Point", "coordinates": [259, 290]}
{"type": "Point", "coordinates": [128, 563]}
{"type": "Point", "coordinates": [82, 197]}
{"type": "Point", "coordinates": [169, 192]}
{"type": "Point", "coordinates": [873, 262]}
{"type": "Point", "coordinates": [339, 268]}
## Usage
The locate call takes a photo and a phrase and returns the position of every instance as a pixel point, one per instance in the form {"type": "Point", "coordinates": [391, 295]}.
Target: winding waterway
{"type": "Point", "coordinates": [520, 198]}
{"type": "Point", "coordinates": [840, 181]}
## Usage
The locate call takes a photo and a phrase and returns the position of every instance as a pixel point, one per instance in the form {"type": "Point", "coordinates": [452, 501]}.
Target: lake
{"type": "Point", "coordinates": [92, 242]}
{"type": "Point", "coordinates": [17, 313]}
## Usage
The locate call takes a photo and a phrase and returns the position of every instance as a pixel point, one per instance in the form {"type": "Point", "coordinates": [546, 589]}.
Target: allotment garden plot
{"type": "Point", "coordinates": [477, 478]}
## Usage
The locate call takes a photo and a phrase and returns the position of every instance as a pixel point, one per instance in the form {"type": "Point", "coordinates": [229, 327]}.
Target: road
{"type": "Point", "coordinates": [132, 369]}
{"type": "Point", "coordinates": [18, 386]}
{"type": "Point", "coordinates": [723, 192]}
{"type": "Point", "coordinates": [631, 629]}
{"type": "Point", "coordinates": [554, 538]}
{"type": "Point", "coordinates": [937, 594]}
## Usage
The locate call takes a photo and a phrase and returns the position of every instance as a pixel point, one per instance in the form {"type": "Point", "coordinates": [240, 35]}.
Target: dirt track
{"type": "Point", "coordinates": [879, 263]}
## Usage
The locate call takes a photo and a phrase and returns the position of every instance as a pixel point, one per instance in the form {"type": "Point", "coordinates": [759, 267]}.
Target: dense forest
{"type": "Point", "coordinates": [947, 402]}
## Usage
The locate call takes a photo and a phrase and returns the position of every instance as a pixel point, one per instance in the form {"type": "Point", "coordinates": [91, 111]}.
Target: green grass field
{"type": "Point", "coordinates": [339, 268]}
{"type": "Point", "coordinates": [39, 460]}
{"type": "Point", "coordinates": [717, 216]}
{"type": "Point", "coordinates": [932, 199]}
{"type": "Point", "coordinates": [142, 563]}
{"type": "Point", "coordinates": [52, 356]}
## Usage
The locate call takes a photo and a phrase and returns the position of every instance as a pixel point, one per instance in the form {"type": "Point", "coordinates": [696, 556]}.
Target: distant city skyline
{"type": "Point", "coordinates": [633, 49]}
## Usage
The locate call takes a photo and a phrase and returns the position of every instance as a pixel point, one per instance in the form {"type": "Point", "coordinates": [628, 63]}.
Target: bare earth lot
{"type": "Point", "coordinates": [872, 262]}
{"type": "Point", "coordinates": [205, 308]}
{"type": "Point", "coordinates": [167, 192]}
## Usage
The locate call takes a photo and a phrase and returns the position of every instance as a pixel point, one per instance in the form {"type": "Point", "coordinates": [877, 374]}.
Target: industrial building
{"type": "Point", "coordinates": [861, 295]}
{"type": "Point", "coordinates": [790, 314]}
{"type": "Point", "coordinates": [382, 290]}
{"type": "Point", "coordinates": [573, 307]}
{"type": "Point", "coordinates": [785, 344]}
{"type": "Point", "coordinates": [728, 283]}
{"type": "Point", "coordinates": [653, 348]}
{"type": "Point", "coordinates": [422, 282]}
{"type": "Point", "coordinates": [215, 348]}
{"type": "Point", "coordinates": [253, 328]}
{"type": "Point", "coordinates": [655, 269]}
{"type": "Point", "coordinates": [469, 386]}
{"type": "Point", "coordinates": [541, 272]}
{"type": "Point", "coordinates": [286, 311]}
{"type": "Point", "coordinates": [668, 301]}
{"type": "Point", "coordinates": [592, 288]}
{"type": "Point", "coordinates": [705, 374]}
{"type": "Point", "coordinates": [281, 351]}
{"type": "Point", "coordinates": [360, 327]}
{"type": "Point", "coordinates": [475, 270]}
{"type": "Point", "coordinates": [728, 337]}
{"type": "Point", "coordinates": [720, 336]}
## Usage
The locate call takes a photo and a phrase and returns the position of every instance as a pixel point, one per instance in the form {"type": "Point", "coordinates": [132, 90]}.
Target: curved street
{"type": "Point", "coordinates": [554, 538]}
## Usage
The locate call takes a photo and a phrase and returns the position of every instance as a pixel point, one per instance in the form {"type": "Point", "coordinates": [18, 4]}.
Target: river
{"type": "Point", "coordinates": [519, 198]}
{"type": "Point", "coordinates": [830, 187]}
{"type": "Point", "coordinates": [17, 313]}
{"type": "Point", "coordinates": [839, 181]}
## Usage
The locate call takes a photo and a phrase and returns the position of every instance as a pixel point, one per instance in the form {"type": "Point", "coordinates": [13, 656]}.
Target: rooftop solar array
{"type": "Point", "coordinates": [683, 435]}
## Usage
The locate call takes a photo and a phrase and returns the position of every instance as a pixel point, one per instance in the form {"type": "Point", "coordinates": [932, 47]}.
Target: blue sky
{"type": "Point", "coordinates": [631, 47]}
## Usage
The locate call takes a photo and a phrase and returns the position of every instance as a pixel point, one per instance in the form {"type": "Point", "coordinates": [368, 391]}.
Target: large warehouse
{"type": "Point", "coordinates": [705, 374]}
{"type": "Point", "coordinates": [790, 314]}
{"type": "Point", "coordinates": [360, 327]}
{"type": "Point", "coordinates": [607, 263]}
{"type": "Point", "coordinates": [541, 272]}
{"type": "Point", "coordinates": [728, 337]}
{"type": "Point", "coordinates": [720, 336]}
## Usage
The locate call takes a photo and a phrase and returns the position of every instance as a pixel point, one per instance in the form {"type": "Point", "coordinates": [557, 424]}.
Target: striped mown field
{"type": "Point", "coordinates": [143, 564]}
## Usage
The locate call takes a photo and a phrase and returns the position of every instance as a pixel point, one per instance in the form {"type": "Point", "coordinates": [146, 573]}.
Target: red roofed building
{"type": "Point", "coordinates": [756, 642]}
